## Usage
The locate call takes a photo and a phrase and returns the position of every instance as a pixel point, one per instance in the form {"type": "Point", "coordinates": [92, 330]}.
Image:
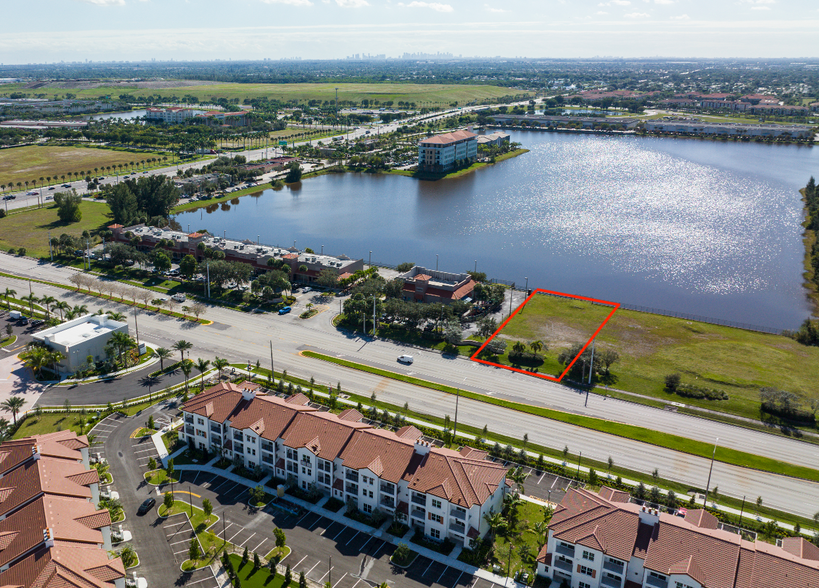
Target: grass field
{"type": "Point", "coordinates": [30, 163]}
{"type": "Point", "coordinates": [651, 346]}
{"type": "Point", "coordinates": [421, 94]}
{"type": "Point", "coordinates": [30, 228]}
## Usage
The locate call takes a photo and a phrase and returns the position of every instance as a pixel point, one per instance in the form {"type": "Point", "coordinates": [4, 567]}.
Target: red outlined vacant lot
{"type": "Point", "coordinates": [614, 305]}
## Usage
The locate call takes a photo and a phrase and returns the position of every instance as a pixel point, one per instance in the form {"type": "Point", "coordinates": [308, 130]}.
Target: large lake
{"type": "Point", "coordinates": [691, 226]}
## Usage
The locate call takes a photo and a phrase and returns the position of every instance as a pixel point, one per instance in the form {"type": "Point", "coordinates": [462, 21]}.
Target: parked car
{"type": "Point", "coordinates": [179, 297]}
{"type": "Point", "coordinates": [146, 505]}
{"type": "Point", "coordinates": [307, 289]}
{"type": "Point", "coordinates": [23, 320]}
{"type": "Point", "coordinates": [285, 310]}
{"type": "Point", "coordinates": [37, 322]}
{"type": "Point", "coordinates": [407, 359]}
{"type": "Point", "coordinates": [53, 188]}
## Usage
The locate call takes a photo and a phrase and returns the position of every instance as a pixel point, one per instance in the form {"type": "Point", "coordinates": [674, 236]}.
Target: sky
{"type": "Point", "coordinates": [40, 31]}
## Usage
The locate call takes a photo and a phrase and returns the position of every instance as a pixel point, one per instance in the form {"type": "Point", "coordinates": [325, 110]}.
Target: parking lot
{"type": "Point", "coordinates": [178, 532]}
{"type": "Point", "coordinates": [540, 484]}
{"type": "Point", "coordinates": [358, 558]}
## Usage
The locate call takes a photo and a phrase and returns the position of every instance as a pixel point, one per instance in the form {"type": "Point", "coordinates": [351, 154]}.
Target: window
{"type": "Point", "coordinates": [436, 503]}
{"type": "Point", "coordinates": [200, 421]}
{"type": "Point", "coordinates": [588, 555]}
{"type": "Point", "coordinates": [252, 451]}
{"type": "Point", "coordinates": [370, 493]}
{"type": "Point", "coordinates": [583, 585]}
{"type": "Point", "coordinates": [681, 585]}
{"type": "Point", "coordinates": [201, 433]}
{"type": "Point", "coordinates": [367, 508]}
{"type": "Point", "coordinates": [586, 571]}
{"type": "Point", "coordinates": [435, 533]}
{"type": "Point", "coordinates": [249, 438]}
{"type": "Point", "coordinates": [435, 517]}
{"type": "Point", "coordinates": [656, 575]}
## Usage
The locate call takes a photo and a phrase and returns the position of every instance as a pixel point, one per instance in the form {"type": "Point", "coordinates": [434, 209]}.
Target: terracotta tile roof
{"type": "Point", "coordinates": [800, 547]}
{"type": "Point", "coordinates": [225, 398]}
{"type": "Point", "coordinates": [544, 556]}
{"type": "Point", "coordinates": [368, 445]}
{"type": "Point", "coordinates": [115, 226]}
{"type": "Point", "coordinates": [409, 432]}
{"type": "Point", "coordinates": [614, 495]}
{"type": "Point", "coordinates": [688, 566]}
{"type": "Point", "coordinates": [447, 138]}
{"type": "Point", "coordinates": [643, 540]}
{"type": "Point", "coordinates": [472, 453]}
{"type": "Point", "coordinates": [772, 567]}
{"type": "Point", "coordinates": [61, 444]}
{"type": "Point", "coordinates": [701, 518]}
{"type": "Point", "coordinates": [45, 475]}
{"type": "Point", "coordinates": [297, 399]}
{"type": "Point", "coordinates": [459, 480]}
{"type": "Point", "coordinates": [350, 414]}
{"type": "Point", "coordinates": [306, 426]}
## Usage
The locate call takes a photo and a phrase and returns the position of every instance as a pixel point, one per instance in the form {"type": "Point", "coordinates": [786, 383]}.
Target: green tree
{"type": "Point", "coordinates": [162, 262]}
{"type": "Point", "coordinates": [169, 469]}
{"type": "Point", "coordinates": [193, 550]}
{"type": "Point", "coordinates": [151, 464]}
{"type": "Point", "coordinates": [257, 563]}
{"type": "Point", "coordinates": [293, 174]}
{"type": "Point", "coordinates": [202, 365]}
{"type": "Point", "coordinates": [245, 556]}
{"type": "Point", "coordinates": [13, 404]}
{"type": "Point", "coordinates": [68, 206]}
{"type": "Point", "coordinates": [302, 580]}
{"type": "Point", "coordinates": [518, 476]}
{"type": "Point", "coordinates": [182, 346]}
{"type": "Point", "coordinates": [281, 538]}
{"type": "Point", "coordinates": [256, 494]}
{"type": "Point", "coordinates": [288, 577]}
{"type": "Point", "coordinates": [168, 501]}
{"type": "Point", "coordinates": [207, 507]}
{"type": "Point", "coordinates": [9, 294]}
{"type": "Point", "coordinates": [162, 353]}
{"type": "Point", "coordinates": [188, 266]}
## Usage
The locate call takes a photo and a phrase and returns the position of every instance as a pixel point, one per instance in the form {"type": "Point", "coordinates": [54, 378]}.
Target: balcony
{"type": "Point", "coordinates": [387, 502]}
{"type": "Point", "coordinates": [560, 564]}
{"type": "Point", "coordinates": [216, 440]}
{"type": "Point", "coordinates": [352, 475]}
{"type": "Point", "coordinates": [613, 566]}
{"type": "Point", "coordinates": [419, 500]}
{"type": "Point", "coordinates": [267, 446]}
{"type": "Point", "coordinates": [610, 582]}
{"type": "Point", "coordinates": [189, 419]}
{"type": "Point", "coordinates": [387, 488]}
{"type": "Point", "coordinates": [215, 429]}
{"type": "Point", "coordinates": [238, 448]}
{"type": "Point", "coordinates": [190, 431]}
{"type": "Point", "coordinates": [237, 436]}
{"type": "Point", "coordinates": [351, 488]}
{"type": "Point", "coordinates": [457, 527]}
{"type": "Point", "coordinates": [563, 550]}
{"type": "Point", "coordinates": [419, 513]}
{"type": "Point", "coordinates": [656, 582]}
{"type": "Point", "coordinates": [461, 516]}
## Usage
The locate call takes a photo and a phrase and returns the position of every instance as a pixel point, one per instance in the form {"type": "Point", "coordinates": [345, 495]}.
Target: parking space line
{"type": "Point", "coordinates": [353, 537]}
{"type": "Point", "coordinates": [553, 483]}
{"type": "Point", "coordinates": [541, 477]}
{"type": "Point", "coordinates": [222, 484]}
{"type": "Point", "coordinates": [178, 542]}
{"type": "Point", "coordinates": [228, 526]}
{"type": "Point", "coordinates": [340, 579]}
{"type": "Point", "coordinates": [458, 580]}
{"type": "Point", "coordinates": [302, 518]}
{"type": "Point", "coordinates": [357, 583]}
{"type": "Point", "coordinates": [429, 566]}
{"type": "Point", "coordinates": [231, 489]}
{"type": "Point", "coordinates": [314, 567]}
{"type": "Point", "coordinates": [446, 569]}
{"type": "Point", "coordinates": [173, 525]}
{"type": "Point", "coordinates": [375, 555]}
{"type": "Point", "coordinates": [198, 581]}
{"type": "Point", "coordinates": [146, 449]}
{"type": "Point", "coordinates": [301, 560]}
{"type": "Point", "coordinates": [361, 549]}
{"type": "Point", "coordinates": [343, 528]}
{"type": "Point", "coordinates": [242, 544]}
{"type": "Point", "coordinates": [196, 476]}
{"type": "Point", "coordinates": [321, 580]}
{"type": "Point", "coordinates": [237, 532]}
{"type": "Point", "coordinates": [318, 520]}
{"type": "Point", "coordinates": [258, 546]}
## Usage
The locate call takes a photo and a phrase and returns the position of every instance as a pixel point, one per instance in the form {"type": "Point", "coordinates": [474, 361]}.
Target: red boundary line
{"type": "Point", "coordinates": [615, 305]}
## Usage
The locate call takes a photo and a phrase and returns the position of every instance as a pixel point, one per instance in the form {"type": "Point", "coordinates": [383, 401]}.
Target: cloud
{"type": "Point", "coordinates": [616, 3]}
{"type": "Point", "coordinates": [601, 13]}
{"type": "Point", "coordinates": [638, 15]}
{"type": "Point", "coordinates": [666, 2]}
{"type": "Point", "coordinates": [681, 17]}
{"type": "Point", "coordinates": [105, 2]}
{"type": "Point", "coordinates": [352, 3]}
{"type": "Point", "coordinates": [757, 4]}
{"type": "Point", "coordinates": [492, 9]}
{"type": "Point", "coordinates": [289, 2]}
{"type": "Point", "coordinates": [436, 6]}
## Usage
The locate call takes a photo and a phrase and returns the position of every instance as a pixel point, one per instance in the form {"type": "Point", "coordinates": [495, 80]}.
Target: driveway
{"type": "Point", "coordinates": [18, 380]}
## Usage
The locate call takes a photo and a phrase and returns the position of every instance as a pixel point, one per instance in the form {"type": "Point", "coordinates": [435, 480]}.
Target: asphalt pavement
{"type": "Point", "coordinates": [241, 337]}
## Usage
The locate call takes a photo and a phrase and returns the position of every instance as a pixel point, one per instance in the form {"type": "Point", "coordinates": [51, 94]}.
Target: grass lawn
{"type": "Point", "coordinates": [422, 94]}
{"type": "Point", "coordinates": [650, 346]}
{"type": "Point", "coordinates": [29, 163]}
{"type": "Point", "coordinates": [157, 477]}
{"type": "Point", "coordinates": [198, 520]}
{"type": "Point", "coordinates": [48, 422]}
{"type": "Point", "coordinates": [260, 578]}
{"type": "Point", "coordinates": [634, 432]}
{"type": "Point", "coordinates": [30, 228]}
{"type": "Point", "coordinates": [280, 552]}
{"type": "Point", "coordinates": [8, 341]}
{"type": "Point", "coordinates": [522, 534]}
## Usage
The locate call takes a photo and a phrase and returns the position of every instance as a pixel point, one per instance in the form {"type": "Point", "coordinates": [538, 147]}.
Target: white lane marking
{"type": "Point", "coordinates": [353, 537]}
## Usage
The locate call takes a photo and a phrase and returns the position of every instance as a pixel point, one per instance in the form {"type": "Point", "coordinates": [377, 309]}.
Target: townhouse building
{"type": "Point", "coordinates": [52, 533]}
{"type": "Point", "coordinates": [426, 285]}
{"type": "Point", "coordinates": [443, 492]}
{"type": "Point", "coordinates": [440, 153]}
{"type": "Point", "coordinates": [604, 541]}
{"type": "Point", "coordinates": [694, 127]}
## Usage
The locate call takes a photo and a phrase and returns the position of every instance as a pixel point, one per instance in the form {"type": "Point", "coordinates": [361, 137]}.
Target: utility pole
{"type": "Point", "coordinates": [50, 250]}
{"type": "Point", "coordinates": [374, 323]}
{"type": "Point", "coordinates": [455, 426]}
{"type": "Point", "coordinates": [136, 323]}
{"type": "Point", "coordinates": [710, 469]}
{"type": "Point", "coordinates": [330, 571]}
{"type": "Point", "coordinates": [591, 370]}
{"type": "Point", "coordinates": [271, 362]}
{"type": "Point", "coordinates": [207, 268]}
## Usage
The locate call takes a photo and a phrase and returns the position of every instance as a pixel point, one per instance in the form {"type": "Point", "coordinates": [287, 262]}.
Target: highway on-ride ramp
{"type": "Point", "coordinates": [246, 337]}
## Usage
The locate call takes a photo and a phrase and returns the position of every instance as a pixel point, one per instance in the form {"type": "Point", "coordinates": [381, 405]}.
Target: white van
{"type": "Point", "coordinates": [180, 297]}
{"type": "Point", "coordinates": [15, 315]}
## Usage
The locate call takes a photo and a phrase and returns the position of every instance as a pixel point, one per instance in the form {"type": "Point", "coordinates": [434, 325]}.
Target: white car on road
{"type": "Point", "coordinates": [408, 359]}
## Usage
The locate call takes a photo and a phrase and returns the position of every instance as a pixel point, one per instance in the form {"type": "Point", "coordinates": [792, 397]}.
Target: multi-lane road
{"type": "Point", "coordinates": [245, 337]}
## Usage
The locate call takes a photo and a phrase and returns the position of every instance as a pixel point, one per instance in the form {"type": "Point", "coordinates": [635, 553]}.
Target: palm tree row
{"type": "Point", "coordinates": [39, 357]}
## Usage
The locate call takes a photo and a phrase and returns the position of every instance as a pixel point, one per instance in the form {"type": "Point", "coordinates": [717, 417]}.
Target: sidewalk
{"type": "Point", "coordinates": [448, 560]}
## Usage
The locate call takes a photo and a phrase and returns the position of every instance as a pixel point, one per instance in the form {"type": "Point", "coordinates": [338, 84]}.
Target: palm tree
{"type": "Point", "coordinates": [116, 316]}
{"type": "Point", "coordinates": [62, 306]}
{"type": "Point", "coordinates": [80, 309]}
{"type": "Point", "coordinates": [202, 365]}
{"type": "Point", "coordinates": [519, 347]}
{"type": "Point", "coordinates": [182, 346]}
{"type": "Point", "coordinates": [120, 342]}
{"type": "Point", "coordinates": [35, 358]}
{"type": "Point", "coordinates": [537, 346]}
{"type": "Point", "coordinates": [48, 301]}
{"type": "Point", "coordinates": [31, 299]}
{"type": "Point", "coordinates": [187, 366]}
{"type": "Point", "coordinates": [518, 476]}
{"type": "Point", "coordinates": [220, 364]}
{"type": "Point", "coordinates": [497, 524]}
{"type": "Point", "coordinates": [54, 358]}
{"type": "Point", "coordinates": [162, 353]}
{"type": "Point", "coordinates": [14, 405]}
{"type": "Point", "coordinates": [9, 294]}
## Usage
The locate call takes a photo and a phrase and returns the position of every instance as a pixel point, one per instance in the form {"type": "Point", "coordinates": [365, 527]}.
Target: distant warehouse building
{"type": "Point", "coordinates": [440, 153]}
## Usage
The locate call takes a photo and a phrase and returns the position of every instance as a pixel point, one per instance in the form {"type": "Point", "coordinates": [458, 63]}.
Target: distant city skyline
{"type": "Point", "coordinates": [135, 30]}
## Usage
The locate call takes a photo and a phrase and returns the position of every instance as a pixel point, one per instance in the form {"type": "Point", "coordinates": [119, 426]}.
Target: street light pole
{"type": "Point", "coordinates": [710, 469]}
{"type": "Point", "coordinates": [509, 562]}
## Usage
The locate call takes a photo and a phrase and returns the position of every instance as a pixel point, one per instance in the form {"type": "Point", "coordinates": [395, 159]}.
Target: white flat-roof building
{"type": "Point", "coordinates": [80, 338]}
